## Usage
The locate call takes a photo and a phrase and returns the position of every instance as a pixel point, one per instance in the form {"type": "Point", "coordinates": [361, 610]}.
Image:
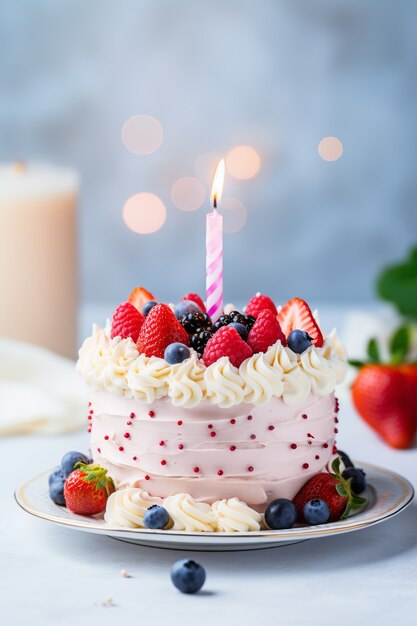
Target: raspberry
{"type": "Point", "coordinates": [127, 322]}
{"type": "Point", "coordinates": [194, 297]}
{"type": "Point", "coordinates": [258, 303]}
{"type": "Point", "coordinates": [265, 332]}
{"type": "Point", "coordinates": [160, 328]}
{"type": "Point", "coordinates": [226, 342]}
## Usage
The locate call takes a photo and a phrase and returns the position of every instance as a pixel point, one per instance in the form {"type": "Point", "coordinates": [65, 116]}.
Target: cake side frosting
{"type": "Point", "coordinates": [253, 452]}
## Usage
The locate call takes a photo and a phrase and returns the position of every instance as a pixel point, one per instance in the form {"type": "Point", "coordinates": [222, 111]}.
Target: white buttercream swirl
{"type": "Point", "coordinates": [224, 384]}
{"type": "Point", "coordinates": [94, 355]}
{"type": "Point", "coordinates": [322, 377]}
{"type": "Point", "coordinates": [188, 514]}
{"type": "Point", "coordinates": [186, 383]}
{"type": "Point", "coordinates": [147, 378]}
{"type": "Point", "coordinates": [126, 507]}
{"type": "Point", "coordinates": [233, 515]}
{"type": "Point", "coordinates": [262, 380]}
{"type": "Point", "coordinates": [296, 384]}
{"type": "Point", "coordinates": [117, 366]}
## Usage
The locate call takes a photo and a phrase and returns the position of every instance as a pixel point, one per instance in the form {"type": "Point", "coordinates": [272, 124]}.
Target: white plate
{"type": "Point", "coordinates": [387, 494]}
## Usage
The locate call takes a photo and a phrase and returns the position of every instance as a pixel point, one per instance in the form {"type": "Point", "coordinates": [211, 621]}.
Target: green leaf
{"type": "Point", "coordinates": [400, 343]}
{"type": "Point", "coordinates": [398, 284]}
{"type": "Point", "coordinates": [373, 351]}
{"type": "Point", "coordinates": [356, 363]}
{"type": "Point", "coordinates": [341, 490]}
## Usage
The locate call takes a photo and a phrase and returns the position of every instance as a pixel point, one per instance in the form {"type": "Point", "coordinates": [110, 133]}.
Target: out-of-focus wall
{"type": "Point", "coordinates": [276, 75]}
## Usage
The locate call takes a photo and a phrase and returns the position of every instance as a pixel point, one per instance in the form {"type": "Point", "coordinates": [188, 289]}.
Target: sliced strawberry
{"type": "Point", "coordinates": [297, 314]}
{"type": "Point", "coordinates": [139, 296]}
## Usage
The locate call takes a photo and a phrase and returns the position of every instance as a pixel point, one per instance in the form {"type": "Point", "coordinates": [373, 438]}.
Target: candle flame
{"type": "Point", "coordinates": [217, 187]}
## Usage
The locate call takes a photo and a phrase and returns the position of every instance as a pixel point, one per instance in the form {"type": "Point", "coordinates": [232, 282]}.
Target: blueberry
{"type": "Point", "coordinates": [56, 486]}
{"type": "Point", "coordinates": [281, 513]}
{"type": "Point", "coordinates": [188, 576]}
{"type": "Point", "coordinates": [298, 341]}
{"type": "Point", "coordinates": [345, 458]}
{"type": "Point", "coordinates": [156, 517]}
{"type": "Point", "coordinates": [148, 306]}
{"type": "Point", "coordinates": [358, 477]}
{"type": "Point", "coordinates": [316, 512]}
{"type": "Point", "coordinates": [70, 459]}
{"type": "Point", "coordinates": [241, 329]}
{"type": "Point", "coordinates": [184, 307]}
{"type": "Point", "coordinates": [176, 353]}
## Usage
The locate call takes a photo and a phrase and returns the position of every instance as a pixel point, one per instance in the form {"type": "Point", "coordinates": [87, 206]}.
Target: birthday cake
{"type": "Point", "coordinates": [240, 409]}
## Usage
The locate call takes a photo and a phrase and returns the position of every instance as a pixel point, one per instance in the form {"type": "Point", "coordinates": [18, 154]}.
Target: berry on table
{"type": "Point", "coordinates": [56, 486]}
{"type": "Point", "coordinates": [259, 303]}
{"type": "Point", "coordinates": [184, 307]}
{"type": "Point", "coordinates": [226, 342]}
{"type": "Point", "coordinates": [265, 332]}
{"type": "Point", "coordinates": [297, 314]}
{"type": "Point", "coordinates": [127, 322]}
{"type": "Point", "coordinates": [188, 576]}
{"type": "Point", "coordinates": [358, 477]}
{"type": "Point", "coordinates": [69, 460]}
{"type": "Point", "coordinates": [176, 353]}
{"type": "Point", "coordinates": [281, 513]}
{"type": "Point", "coordinates": [87, 489]}
{"type": "Point", "coordinates": [194, 297]}
{"type": "Point", "coordinates": [160, 328]}
{"type": "Point", "coordinates": [316, 511]}
{"type": "Point", "coordinates": [299, 340]}
{"type": "Point", "coordinates": [156, 517]}
{"type": "Point", "coordinates": [148, 306]}
{"type": "Point", "coordinates": [241, 329]}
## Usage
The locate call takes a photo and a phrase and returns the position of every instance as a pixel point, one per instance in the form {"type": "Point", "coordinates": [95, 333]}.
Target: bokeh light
{"type": "Point", "coordinates": [142, 134]}
{"type": "Point", "coordinates": [144, 213]}
{"type": "Point", "coordinates": [330, 149]}
{"type": "Point", "coordinates": [243, 162]}
{"type": "Point", "coordinates": [187, 194]}
{"type": "Point", "coordinates": [234, 215]}
{"type": "Point", "coordinates": [205, 166]}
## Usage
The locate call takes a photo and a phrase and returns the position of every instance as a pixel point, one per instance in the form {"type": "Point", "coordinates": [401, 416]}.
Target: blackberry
{"type": "Point", "coordinates": [223, 320]}
{"type": "Point", "coordinates": [249, 321]}
{"type": "Point", "coordinates": [196, 322]}
{"type": "Point", "coordinates": [199, 340]}
{"type": "Point", "coordinates": [238, 317]}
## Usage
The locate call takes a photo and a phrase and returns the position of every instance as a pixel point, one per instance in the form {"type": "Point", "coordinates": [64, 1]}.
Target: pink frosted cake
{"type": "Point", "coordinates": [244, 407]}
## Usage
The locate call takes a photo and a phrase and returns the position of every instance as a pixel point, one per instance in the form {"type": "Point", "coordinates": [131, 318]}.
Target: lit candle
{"type": "Point", "coordinates": [214, 249]}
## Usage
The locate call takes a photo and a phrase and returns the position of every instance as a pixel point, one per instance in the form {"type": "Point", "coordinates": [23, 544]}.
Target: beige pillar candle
{"type": "Point", "coordinates": [38, 273]}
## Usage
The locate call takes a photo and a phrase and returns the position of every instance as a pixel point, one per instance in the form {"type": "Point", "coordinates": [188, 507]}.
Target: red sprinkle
{"type": "Point", "coordinates": [304, 416]}
{"type": "Point", "coordinates": [179, 422]}
{"type": "Point", "coordinates": [250, 417]}
{"type": "Point", "coordinates": [213, 433]}
{"type": "Point", "coordinates": [336, 420]}
{"type": "Point", "coordinates": [129, 423]}
{"type": "Point", "coordinates": [309, 442]}
{"type": "Point", "coordinates": [325, 445]}
{"type": "Point", "coordinates": [220, 472]}
{"type": "Point", "coordinates": [126, 436]}
{"type": "Point", "coordinates": [132, 416]}
{"type": "Point", "coordinates": [233, 421]}
{"type": "Point", "coordinates": [293, 446]}
{"type": "Point", "coordinates": [232, 448]}
{"type": "Point", "coordinates": [334, 449]}
{"type": "Point", "coordinates": [151, 413]}
{"type": "Point", "coordinates": [336, 431]}
{"type": "Point", "coordinates": [250, 468]}
{"type": "Point", "coordinates": [135, 458]}
{"type": "Point", "coordinates": [89, 417]}
{"type": "Point", "coordinates": [106, 437]}
{"type": "Point", "coordinates": [99, 450]}
{"type": "Point", "coordinates": [91, 411]}
{"type": "Point", "coordinates": [89, 430]}
{"type": "Point", "coordinates": [310, 435]}
{"type": "Point", "coordinates": [147, 477]}
{"type": "Point", "coordinates": [317, 457]}
{"type": "Point", "coordinates": [88, 403]}
{"type": "Point", "coordinates": [196, 470]}
{"type": "Point", "coordinates": [271, 427]}
{"type": "Point", "coordinates": [121, 448]}
{"type": "Point", "coordinates": [305, 466]}
{"type": "Point", "coordinates": [180, 446]}
{"type": "Point", "coordinates": [253, 436]}
{"type": "Point", "coordinates": [163, 462]}
{"type": "Point", "coordinates": [162, 443]}
{"type": "Point", "coordinates": [210, 426]}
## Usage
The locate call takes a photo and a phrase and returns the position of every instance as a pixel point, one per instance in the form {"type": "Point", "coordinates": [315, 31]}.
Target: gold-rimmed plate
{"type": "Point", "coordinates": [387, 494]}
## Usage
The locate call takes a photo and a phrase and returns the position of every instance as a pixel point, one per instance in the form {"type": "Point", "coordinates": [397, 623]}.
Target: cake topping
{"type": "Point", "coordinates": [259, 303]}
{"type": "Point", "coordinates": [160, 328]}
{"type": "Point", "coordinates": [127, 322]}
{"type": "Point", "coordinates": [265, 332]}
{"type": "Point", "coordinates": [194, 297]}
{"type": "Point", "coordinates": [296, 314]}
{"type": "Point", "coordinates": [226, 343]}
{"type": "Point", "coordinates": [139, 296]}
{"type": "Point", "coordinates": [233, 515]}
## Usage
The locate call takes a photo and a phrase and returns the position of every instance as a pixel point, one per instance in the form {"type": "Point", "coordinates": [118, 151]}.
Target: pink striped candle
{"type": "Point", "coordinates": [214, 249]}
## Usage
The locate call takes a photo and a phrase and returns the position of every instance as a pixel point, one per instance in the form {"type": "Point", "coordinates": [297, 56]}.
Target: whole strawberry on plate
{"type": "Point", "coordinates": [385, 394]}
{"type": "Point", "coordinates": [87, 488]}
{"type": "Point", "coordinates": [335, 490]}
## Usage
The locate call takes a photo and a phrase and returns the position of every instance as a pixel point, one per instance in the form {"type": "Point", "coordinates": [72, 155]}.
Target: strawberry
{"type": "Point", "coordinates": [297, 314]}
{"type": "Point", "coordinates": [127, 322]}
{"type": "Point", "coordinates": [385, 397]}
{"type": "Point", "coordinates": [226, 342]}
{"type": "Point", "coordinates": [139, 296]}
{"type": "Point", "coordinates": [160, 328]}
{"type": "Point", "coordinates": [194, 297]}
{"type": "Point", "coordinates": [265, 332]}
{"type": "Point", "coordinates": [87, 488]}
{"type": "Point", "coordinates": [258, 303]}
{"type": "Point", "coordinates": [335, 490]}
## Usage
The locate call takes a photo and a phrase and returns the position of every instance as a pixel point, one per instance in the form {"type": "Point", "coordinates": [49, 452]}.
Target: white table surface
{"type": "Point", "coordinates": [57, 576]}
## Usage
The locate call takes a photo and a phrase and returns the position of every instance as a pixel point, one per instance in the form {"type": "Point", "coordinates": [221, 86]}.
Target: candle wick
{"type": "Point", "coordinates": [214, 202]}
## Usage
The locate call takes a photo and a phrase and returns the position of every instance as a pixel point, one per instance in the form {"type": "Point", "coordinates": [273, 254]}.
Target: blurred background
{"type": "Point", "coordinates": [311, 217]}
